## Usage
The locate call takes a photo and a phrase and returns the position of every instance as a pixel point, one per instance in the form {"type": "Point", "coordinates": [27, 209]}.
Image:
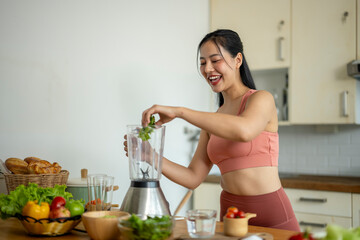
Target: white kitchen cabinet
{"type": "Point", "coordinates": [263, 26]}
{"type": "Point", "coordinates": [317, 209]}
{"type": "Point", "coordinates": [356, 210]}
{"type": "Point", "coordinates": [312, 41]}
{"type": "Point", "coordinates": [358, 30]}
{"type": "Point", "coordinates": [207, 196]}
{"type": "Point", "coordinates": [323, 41]}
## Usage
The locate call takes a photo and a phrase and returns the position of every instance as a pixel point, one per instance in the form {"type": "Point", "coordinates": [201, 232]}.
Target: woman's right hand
{"type": "Point", "coordinates": [126, 145]}
{"type": "Point", "coordinates": [166, 114]}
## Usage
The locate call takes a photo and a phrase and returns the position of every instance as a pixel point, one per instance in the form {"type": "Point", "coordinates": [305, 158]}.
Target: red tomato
{"type": "Point", "coordinates": [57, 202]}
{"type": "Point", "coordinates": [230, 215]}
{"type": "Point", "coordinates": [240, 214]}
{"type": "Point", "coordinates": [233, 210]}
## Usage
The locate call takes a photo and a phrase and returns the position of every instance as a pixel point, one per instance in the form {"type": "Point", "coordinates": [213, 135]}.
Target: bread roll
{"type": "Point", "coordinates": [17, 165]}
{"type": "Point", "coordinates": [39, 166]}
{"type": "Point", "coordinates": [57, 167]}
{"type": "Point", "coordinates": [31, 159]}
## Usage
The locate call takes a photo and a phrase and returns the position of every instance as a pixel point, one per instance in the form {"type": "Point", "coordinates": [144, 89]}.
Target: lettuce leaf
{"type": "Point", "coordinates": [13, 203]}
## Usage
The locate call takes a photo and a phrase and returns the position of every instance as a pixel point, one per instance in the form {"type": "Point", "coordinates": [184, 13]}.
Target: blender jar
{"type": "Point", "coordinates": [145, 156]}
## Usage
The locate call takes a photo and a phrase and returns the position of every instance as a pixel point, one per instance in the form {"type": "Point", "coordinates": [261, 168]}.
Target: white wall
{"type": "Point", "coordinates": [74, 73]}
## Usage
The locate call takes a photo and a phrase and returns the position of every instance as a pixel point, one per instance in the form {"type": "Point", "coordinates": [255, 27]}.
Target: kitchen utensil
{"type": "Point", "coordinates": [145, 161]}
{"type": "Point", "coordinates": [237, 227]}
{"type": "Point", "coordinates": [183, 201]}
{"type": "Point", "coordinates": [102, 225]}
{"type": "Point", "coordinates": [78, 186]}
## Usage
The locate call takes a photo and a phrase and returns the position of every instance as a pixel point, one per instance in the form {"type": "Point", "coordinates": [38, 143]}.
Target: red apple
{"type": "Point", "coordinates": [57, 202]}
{"type": "Point", "coordinates": [60, 212]}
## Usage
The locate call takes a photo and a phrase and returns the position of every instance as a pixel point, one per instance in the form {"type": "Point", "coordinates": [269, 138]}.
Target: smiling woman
{"type": "Point", "coordinates": [241, 137]}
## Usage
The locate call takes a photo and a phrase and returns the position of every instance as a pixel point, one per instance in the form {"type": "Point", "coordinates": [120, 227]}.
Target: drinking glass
{"type": "Point", "coordinates": [91, 205]}
{"type": "Point", "coordinates": [201, 223]}
{"type": "Point", "coordinates": [103, 192]}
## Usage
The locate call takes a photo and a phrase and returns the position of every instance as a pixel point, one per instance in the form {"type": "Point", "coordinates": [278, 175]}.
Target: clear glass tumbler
{"type": "Point", "coordinates": [201, 223]}
{"type": "Point", "coordinates": [100, 190]}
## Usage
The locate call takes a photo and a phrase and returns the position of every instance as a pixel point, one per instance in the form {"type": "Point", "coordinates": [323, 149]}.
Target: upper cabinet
{"type": "Point", "coordinates": [358, 30]}
{"type": "Point", "coordinates": [323, 41]}
{"type": "Point", "coordinates": [302, 46]}
{"type": "Point", "coordinates": [263, 26]}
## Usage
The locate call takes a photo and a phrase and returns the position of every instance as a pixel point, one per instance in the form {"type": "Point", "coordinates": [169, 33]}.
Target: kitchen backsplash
{"type": "Point", "coordinates": [305, 150]}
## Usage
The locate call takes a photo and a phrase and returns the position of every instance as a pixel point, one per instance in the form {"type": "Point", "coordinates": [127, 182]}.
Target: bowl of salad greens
{"type": "Point", "coordinates": [138, 227]}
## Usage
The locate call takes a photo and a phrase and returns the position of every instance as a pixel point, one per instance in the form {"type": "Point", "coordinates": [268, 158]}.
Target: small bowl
{"type": "Point", "coordinates": [162, 228]}
{"type": "Point", "coordinates": [102, 225]}
{"type": "Point", "coordinates": [237, 227]}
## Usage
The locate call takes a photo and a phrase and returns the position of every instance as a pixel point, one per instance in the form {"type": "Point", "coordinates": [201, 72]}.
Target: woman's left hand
{"type": "Point", "coordinates": [165, 113]}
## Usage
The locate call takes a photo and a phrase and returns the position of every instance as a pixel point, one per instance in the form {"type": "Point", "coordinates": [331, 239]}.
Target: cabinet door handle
{"type": "Point", "coordinates": [281, 50]}
{"type": "Point", "coordinates": [345, 103]}
{"type": "Point", "coordinates": [319, 200]}
{"type": "Point", "coordinates": [320, 225]}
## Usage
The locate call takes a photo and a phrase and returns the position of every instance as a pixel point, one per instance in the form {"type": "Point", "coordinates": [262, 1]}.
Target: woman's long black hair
{"type": "Point", "coordinates": [231, 42]}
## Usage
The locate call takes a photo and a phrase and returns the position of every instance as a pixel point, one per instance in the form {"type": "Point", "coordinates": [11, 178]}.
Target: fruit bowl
{"type": "Point", "coordinates": [49, 226]}
{"type": "Point", "coordinates": [237, 227]}
{"type": "Point", "coordinates": [146, 227]}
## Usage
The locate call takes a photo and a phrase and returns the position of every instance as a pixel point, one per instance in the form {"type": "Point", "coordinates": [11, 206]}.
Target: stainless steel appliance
{"type": "Point", "coordinates": [145, 161]}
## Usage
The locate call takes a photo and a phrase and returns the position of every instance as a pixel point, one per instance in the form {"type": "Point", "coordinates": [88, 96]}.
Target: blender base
{"type": "Point", "coordinates": [145, 198]}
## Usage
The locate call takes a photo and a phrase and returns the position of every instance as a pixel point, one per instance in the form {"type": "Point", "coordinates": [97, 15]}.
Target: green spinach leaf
{"type": "Point", "coordinates": [144, 133]}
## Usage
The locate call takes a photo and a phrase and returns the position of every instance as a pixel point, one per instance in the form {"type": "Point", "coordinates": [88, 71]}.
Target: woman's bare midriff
{"type": "Point", "coordinates": [251, 181]}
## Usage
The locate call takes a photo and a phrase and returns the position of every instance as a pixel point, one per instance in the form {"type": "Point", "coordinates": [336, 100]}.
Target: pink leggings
{"type": "Point", "coordinates": [273, 210]}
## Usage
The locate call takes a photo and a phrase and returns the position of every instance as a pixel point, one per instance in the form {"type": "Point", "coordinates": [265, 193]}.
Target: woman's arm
{"type": "Point", "coordinates": [199, 167]}
{"type": "Point", "coordinates": [258, 113]}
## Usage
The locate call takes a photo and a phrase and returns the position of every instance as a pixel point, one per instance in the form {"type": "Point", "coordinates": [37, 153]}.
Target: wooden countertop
{"type": "Point", "coordinates": [312, 182]}
{"type": "Point", "coordinates": [13, 229]}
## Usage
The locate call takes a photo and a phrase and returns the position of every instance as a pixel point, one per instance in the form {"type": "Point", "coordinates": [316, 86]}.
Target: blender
{"type": "Point", "coordinates": [145, 196]}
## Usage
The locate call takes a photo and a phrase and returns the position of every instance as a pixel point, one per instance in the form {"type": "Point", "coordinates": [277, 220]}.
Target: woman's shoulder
{"type": "Point", "coordinates": [261, 95]}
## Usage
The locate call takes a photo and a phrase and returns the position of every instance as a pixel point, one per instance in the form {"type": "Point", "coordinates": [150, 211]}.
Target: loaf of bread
{"type": "Point", "coordinates": [31, 165]}
{"type": "Point", "coordinates": [17, 165]}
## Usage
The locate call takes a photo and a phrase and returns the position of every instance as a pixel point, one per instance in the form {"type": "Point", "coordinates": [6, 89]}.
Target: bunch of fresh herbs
{"type": "Point", "coordinates": [152, 228]}
{"type": "Point", "coordinates": [144, 133]}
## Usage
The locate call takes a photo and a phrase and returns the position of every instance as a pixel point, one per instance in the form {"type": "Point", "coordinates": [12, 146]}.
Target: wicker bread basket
{"type": "Point", "coordinates": [43, 180]}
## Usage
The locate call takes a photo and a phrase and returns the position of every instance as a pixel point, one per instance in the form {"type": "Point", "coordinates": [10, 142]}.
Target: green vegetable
{"type": "Point", "coordinates": [12, 204]}
{"type": "Point", "coordinates": [335, 232]}
{"type": "Point", "coordinates": [153, 228]}
{"type": "Point", "coordinates": [145, 132]}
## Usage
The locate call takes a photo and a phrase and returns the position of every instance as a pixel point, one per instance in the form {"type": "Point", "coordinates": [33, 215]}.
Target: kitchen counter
{"type": "Point", "coordinates": [312, 182]}
{"type": "Point", "coordinates": [12, 229]}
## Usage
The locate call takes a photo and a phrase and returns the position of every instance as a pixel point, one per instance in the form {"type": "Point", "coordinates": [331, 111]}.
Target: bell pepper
{"type": "Point", "coordinates": [33, 209]}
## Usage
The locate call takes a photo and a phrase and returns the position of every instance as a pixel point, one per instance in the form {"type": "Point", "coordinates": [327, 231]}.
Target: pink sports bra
{"type": "Point", "coordinates": [229, 155]}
